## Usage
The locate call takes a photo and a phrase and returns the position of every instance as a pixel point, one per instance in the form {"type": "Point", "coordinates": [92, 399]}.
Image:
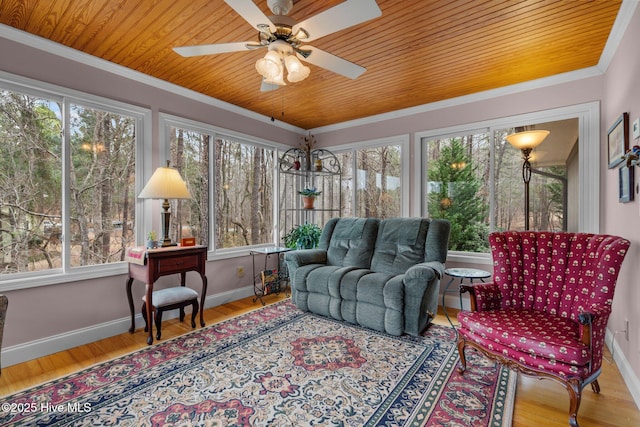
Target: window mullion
{"type": "Point", "coordinates": [66, 186]}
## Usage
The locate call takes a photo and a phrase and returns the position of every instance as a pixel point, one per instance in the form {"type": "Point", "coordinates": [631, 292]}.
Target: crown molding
{"type": "Point", "coordinates": [66, 52]}
{"type": "Point", "coordinates": [627, 9]}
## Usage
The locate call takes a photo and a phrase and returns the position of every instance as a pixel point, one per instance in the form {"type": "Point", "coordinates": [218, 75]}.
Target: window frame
{"type": "Point", "coordinates": [588, 115]}
{"type": "Point", "coordinates": [168, 120]}
{"type": "Point", "coordinates": [405, 163]}
{"type": "Point", "coordinates": [67, 97]}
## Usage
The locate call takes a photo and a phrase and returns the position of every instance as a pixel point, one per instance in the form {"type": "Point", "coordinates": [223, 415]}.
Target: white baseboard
{"type": "Point", "coordinates": [628, 375]}
{"type": "Point", "coordinates": [53, 344]}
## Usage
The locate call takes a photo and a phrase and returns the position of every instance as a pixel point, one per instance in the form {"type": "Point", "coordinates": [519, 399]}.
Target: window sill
{"type": "Point", "coordinates": [469, 257]}
{"type": "Point", "coordinates": [55, 277]}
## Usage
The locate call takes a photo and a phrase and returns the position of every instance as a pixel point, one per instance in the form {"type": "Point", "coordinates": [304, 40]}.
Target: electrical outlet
{"type": "Point", "coordinates": [626, 329]}
{"type": "Point", "coordinates": [240, 271]}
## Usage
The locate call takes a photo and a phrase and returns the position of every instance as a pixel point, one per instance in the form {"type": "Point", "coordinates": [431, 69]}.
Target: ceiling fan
{"type": "Point", "coordinates": [283, 38]}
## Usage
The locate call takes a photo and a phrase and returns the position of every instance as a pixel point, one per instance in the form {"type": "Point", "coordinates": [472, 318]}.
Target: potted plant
{"type": "Point", "coordinates": [309, 195]}
{"type": "Point", "coordinates": [305, 236]}
{"type": "Point", "coordinates": [152, 240]}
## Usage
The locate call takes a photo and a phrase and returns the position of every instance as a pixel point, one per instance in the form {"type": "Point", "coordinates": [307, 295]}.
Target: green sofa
{"type": "Point", "coordinates": [380, 274]}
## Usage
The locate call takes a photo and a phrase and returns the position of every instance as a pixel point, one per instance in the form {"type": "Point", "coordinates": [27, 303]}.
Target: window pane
{"type": "Point", "coordinates": [190, 155]}
{"type": "Point", "coordinates": [378, 182]}
{"type": "Point", "coordinates": [458, 188]}
{"type": "Point", "coordinates": [244, 194]}
{"type": "Point", "coordinates": [546, 189]}
{"type": "Point", "coordinates": [30, 183]}
{"type": "Point", "coordinates": [346, 162]}
{"type": "Point", "coordinates": [102, 184]}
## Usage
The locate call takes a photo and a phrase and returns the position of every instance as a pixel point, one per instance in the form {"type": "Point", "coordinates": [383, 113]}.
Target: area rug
{"type": "Point", "coordinates": [278, 366]}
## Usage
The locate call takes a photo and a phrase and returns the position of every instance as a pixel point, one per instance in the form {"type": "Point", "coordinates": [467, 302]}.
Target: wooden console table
{"type": "Point", "coordinates": [163, 262]}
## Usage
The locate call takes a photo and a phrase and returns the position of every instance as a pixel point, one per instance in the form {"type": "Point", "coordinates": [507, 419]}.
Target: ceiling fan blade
{"type": "Point", "coordinates": [331, 62]}
{"type": "Point", "coordinates": [251, 13]}
{"type": "Point", "coordinates": [211, 49]}
{"type": "Point", "coordinates": [344, 15]}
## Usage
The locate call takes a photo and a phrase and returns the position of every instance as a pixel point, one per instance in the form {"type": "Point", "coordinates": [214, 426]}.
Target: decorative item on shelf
{"type": "Point", "coordinates": [309, 196]}
{"type": "Point", "coordinates": [632, 157]}
{"type": "Point", "coordinates": [307, 144]}
{"type": "Point", "coordinates": [305, 236]}
{"type": "Point", "coordinates": [296, 164]}
{"type": "Point", "coordinates": [188, 241]}
{"type": "Point", "coordinates": [165, 183]}
{"type": "Point", "coordinates": [152, 240]}
{"type": "Point", "coordinates": [318, 164]}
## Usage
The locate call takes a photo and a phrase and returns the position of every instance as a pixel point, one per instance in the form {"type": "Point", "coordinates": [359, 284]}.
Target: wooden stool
{"type": "Point", "coordinates": [170, 299]}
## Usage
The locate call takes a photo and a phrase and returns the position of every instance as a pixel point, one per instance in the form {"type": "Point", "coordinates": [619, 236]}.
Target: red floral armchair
{"type": "Point", "coordinates": [546, 312]}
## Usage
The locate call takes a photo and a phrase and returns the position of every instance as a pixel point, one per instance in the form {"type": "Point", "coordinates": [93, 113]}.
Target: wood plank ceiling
{"type": "Point", "coordinates": [417, 52]}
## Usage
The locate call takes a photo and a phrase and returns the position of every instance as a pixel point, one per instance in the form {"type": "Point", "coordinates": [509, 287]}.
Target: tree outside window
{"type": "Point", "coordinates": [99, 182]}
{"type": "Point", "coordinates": [456, 193]}
{"type": "Point", "coordinates": [244, 194]}
{"type": "Point", "coordinates": [376, 174]}
{"type": "Point", "coordinates": [462, 187]}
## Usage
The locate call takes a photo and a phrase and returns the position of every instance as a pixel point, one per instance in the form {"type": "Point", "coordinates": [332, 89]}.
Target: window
{"type": "Point", "coordinates": [67, 186]}
{"type": "Point", "coordinates": [473, 176]}
{"type": "Point", "coordinates": [30, 183]}
{"type": "Point", "coordinates": [239, 180]}
{"type": "Point", "coordinates": [244, 193]}
{"type": "Point", "coordinates": [373, 175]}
{"type": "Point", "coordinates": [458, 188]}
{"type": "Point", "coordinates": [190, 156]}
{"type": "Point", "coordinates": [101, 185]}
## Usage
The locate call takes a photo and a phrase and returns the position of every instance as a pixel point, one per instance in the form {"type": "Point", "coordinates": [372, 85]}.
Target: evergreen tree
{"type": "Point", "coordinates": [456, 198]}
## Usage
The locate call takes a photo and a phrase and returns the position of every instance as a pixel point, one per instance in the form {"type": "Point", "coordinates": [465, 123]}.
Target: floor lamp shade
{"type": "Point", "coordinates": [165, 183]}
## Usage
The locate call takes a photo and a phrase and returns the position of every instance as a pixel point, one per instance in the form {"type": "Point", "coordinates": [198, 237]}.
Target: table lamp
{"type": "Point", "coordinates": [165, 183]}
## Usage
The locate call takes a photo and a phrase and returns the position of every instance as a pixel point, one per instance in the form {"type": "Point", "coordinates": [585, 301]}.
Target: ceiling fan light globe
{"type": "Point", "coordinates": [296, 71]}
{"type": "Point", "coordinates": [270, 66]}
{"type": "Point", "coordinates": [299, 75]}
{"type": "Point", "coordinates": [277, 79]}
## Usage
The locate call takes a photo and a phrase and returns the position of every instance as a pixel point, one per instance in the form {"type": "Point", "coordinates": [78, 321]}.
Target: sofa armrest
{"type": "Point", "coordinates": [424, 272]}
{"type": "Point", "coordinates": [302, 257]}
{"type": "Point", "coordinates": [483, 296]}
{"type": "Point", "coordinates": [421, 285]}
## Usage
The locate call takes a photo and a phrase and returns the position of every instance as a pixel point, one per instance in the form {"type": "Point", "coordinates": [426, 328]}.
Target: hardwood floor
{"type": "Point", "coordinates": [538, 402]}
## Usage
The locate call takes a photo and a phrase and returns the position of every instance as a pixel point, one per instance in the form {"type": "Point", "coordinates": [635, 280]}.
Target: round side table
{"type": "Point", "coordinates": [463, 274]}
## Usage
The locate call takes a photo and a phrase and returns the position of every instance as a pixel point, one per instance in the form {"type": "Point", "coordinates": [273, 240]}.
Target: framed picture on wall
{"type": "Point", "coordinates": [626, 184]}
{"type": "Point", "coordinates": [618, 140]}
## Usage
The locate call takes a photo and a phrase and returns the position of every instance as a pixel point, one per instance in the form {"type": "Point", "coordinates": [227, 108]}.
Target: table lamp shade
{"type": "Point", "coordinates": [165, 183]}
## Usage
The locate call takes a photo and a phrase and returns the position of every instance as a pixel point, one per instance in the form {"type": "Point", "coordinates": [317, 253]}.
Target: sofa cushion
{"type": "Point", "coordinates": [399, 245]}
{"type": "Point", "coordinates": [537, 333]}
{"type": "Point", "coordinates": [351, 241]}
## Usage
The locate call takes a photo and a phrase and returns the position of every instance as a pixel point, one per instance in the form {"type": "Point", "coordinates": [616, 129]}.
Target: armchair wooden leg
{"type": "Point", "coordinates": [574, 387]}
{"type": "Point", "coordinates": [595, 386]}
{"type": "Point", "coordinates": [463, 360]}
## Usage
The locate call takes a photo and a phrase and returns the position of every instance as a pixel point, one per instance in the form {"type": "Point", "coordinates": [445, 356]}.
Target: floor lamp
{"type": "Point", "coordinates": [165, 183]}
{"type": "Point", "coordinates": [526, 141]}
